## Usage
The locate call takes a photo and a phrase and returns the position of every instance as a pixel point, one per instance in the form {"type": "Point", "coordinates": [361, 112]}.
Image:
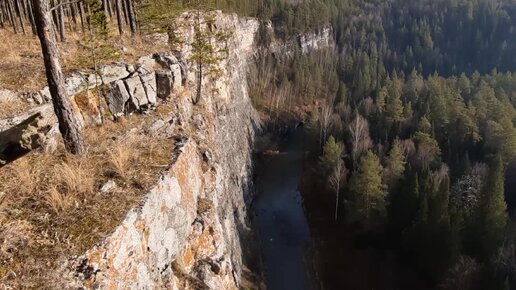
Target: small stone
{"type": "Point", "coordinates": [45, 94]}
{"type": "Point", "coordinates": [157, 125]}
{"type": "Point", "coordinates": [108, 186]}
{"type": "Point", "coordinates": [38, 99]}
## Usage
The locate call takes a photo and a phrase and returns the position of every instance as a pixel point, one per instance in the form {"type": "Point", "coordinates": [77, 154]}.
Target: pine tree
{"type": "Point", "coordinates": [367, 204]}
{"type": "Point", "coordinates": [424, 125]}
{"type": "Point", "coordinates": [395, 164]}
{"type": "Point", "coordinates": [69, 124]}
{"type": "Point", "coordinates": [331, 157]}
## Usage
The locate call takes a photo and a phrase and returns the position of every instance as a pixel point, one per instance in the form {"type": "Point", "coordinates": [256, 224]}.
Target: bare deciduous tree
{"type": "Point", "coordinates": [337, 180]}
{"type": "Point", "coordinates": [325, 118]}
{"type": "Point", "coordinates": [360, 139]}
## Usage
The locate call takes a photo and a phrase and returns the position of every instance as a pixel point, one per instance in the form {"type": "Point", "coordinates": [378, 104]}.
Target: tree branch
{"type": "Point", "coordinates": [62, 4]}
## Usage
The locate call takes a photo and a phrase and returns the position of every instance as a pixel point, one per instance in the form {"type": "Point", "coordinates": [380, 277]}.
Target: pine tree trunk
{"type": "Point", "coordinates": [199, 83]}
{"type": "Point", "coordinates": [69, 125]}
{"type": "Point", "coordinates": [119, 16]}
{"type": "Point", "coordinates": [11, 15]}
{"type": "Point", "coordinates": [31, 17]}
{"type": "Point", "coordinates": [132, 16]}
{"type": "Point", "coordinates": [60, 17]}
{"type": "Point", "coordinates": [81, 14]}
{"type": "Point", "coordinates": [126, 12]}
{"type": "Point", "coordinates": [19, 12]}
{"type": "Point", "coordinates": [1, 16]}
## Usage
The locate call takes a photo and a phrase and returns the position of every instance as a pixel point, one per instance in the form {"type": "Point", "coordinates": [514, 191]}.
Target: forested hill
{"type": "Point", "coordinates": [412, 118]}
{"type": "Point", "coordinates": [447, 36]}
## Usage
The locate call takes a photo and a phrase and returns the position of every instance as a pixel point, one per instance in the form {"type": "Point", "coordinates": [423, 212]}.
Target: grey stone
{"type": "Point", "coordinates": [37, 98]}
{"type": "Point", "coordinates": [146, 64]}
{"type": "Point", "coordinates": [164, 83]}
{"type": "Point", "coordinates": [177, 75]}
{"type": "Point", "coordinates": [108, 186]}
{"type": "Point", "coordinates": [149, 85]}
{"type": "Point", "coordinates": [76, 83]}
{"type": "Point", "coordinates": [130, 68]}
{"type": "Point", "coordinates": [51, 140]}
{"type": "Point", "coordinates": [45, 94]}
{"type": "Point", "coordinates": [137, 93]}
{"type": "Point", "coordinates": [116, 97]}
{"type": "Point", "coordinates": [111, 73]}
{"type": "Point", "coordinates": [176, 64]}
{"type": "Point", "coordinates": [157, 125]}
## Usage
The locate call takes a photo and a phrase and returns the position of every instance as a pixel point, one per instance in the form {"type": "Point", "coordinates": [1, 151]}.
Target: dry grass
{"type": "Point", "coordinates": [51, 207]}
{"type": "Point", "coordinates": [21, 64]}
{"type": "Point", "coordinates": [12, 108]}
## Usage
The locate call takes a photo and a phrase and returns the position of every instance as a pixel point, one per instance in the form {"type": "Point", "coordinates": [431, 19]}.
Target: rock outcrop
{"type": "Point", "coordinates": [188, 233]}
{"type": "Point", "coordinates": [314, 41]}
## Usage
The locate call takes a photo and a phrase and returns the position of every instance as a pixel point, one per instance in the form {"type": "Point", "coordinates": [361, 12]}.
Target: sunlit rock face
{"type": "Point", "coordinates": [191, 229]}
{"type": "Point", "coordinates": [188, 232]}
{"type": "Point", "coordinates": [316, 40]}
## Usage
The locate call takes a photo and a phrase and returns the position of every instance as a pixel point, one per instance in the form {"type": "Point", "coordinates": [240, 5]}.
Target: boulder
{"type": "Point", "coordinates": [164, 82]}
{"type": "Point", "coordinates": [149, 85]}
{"type": "Point", "coordinates": [146, 64]}
{"type": "Point", "coordinates": [76, 83]}
{"type": "Point", "coordinates": [116, 96]}
{"type": "Point", "coordinates": [137, 93]}
{"type": "Point", "coordinates": [176, 64]}
{"type": "Point", "coordinates": [114, 72]}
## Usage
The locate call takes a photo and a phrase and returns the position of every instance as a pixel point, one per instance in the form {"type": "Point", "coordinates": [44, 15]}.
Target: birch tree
{"type": "Point", "coordinates": [360, 139]}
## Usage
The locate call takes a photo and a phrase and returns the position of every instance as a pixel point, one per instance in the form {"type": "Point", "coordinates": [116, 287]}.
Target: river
{"type": "Point", "coordinates": [279, 217]}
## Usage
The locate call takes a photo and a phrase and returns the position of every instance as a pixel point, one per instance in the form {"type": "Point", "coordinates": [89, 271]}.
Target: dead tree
{"type": "Point", "coordinates": [69, 124]}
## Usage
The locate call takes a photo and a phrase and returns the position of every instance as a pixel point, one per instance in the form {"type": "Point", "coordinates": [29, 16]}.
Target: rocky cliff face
{"type": "Point", "coordinates": [188, 233]}
{"type": "Point", "coordinates": [316, 40]}
{"type": "Point", "coordinates": [191, 230]}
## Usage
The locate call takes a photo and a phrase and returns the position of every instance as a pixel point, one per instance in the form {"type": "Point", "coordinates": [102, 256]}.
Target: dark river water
{"type": "Point", "coordinates": [283, 228]}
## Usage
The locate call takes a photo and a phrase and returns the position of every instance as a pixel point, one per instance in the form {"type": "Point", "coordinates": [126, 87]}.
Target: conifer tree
{"type": "Point", "coordinates": [367, 203]}
{"type": "Point", "coordinates": [491, 217]}
{"type": "Point", "coordinates": [395, 164]}
{"type": "Point", "coordinates": [332, 156]}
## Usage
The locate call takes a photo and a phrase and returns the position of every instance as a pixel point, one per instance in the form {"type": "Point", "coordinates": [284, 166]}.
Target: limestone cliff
{"type": "Point", "coordinates": [191, 230]}
{"type": "Point", "coordinates": [188, 233]}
